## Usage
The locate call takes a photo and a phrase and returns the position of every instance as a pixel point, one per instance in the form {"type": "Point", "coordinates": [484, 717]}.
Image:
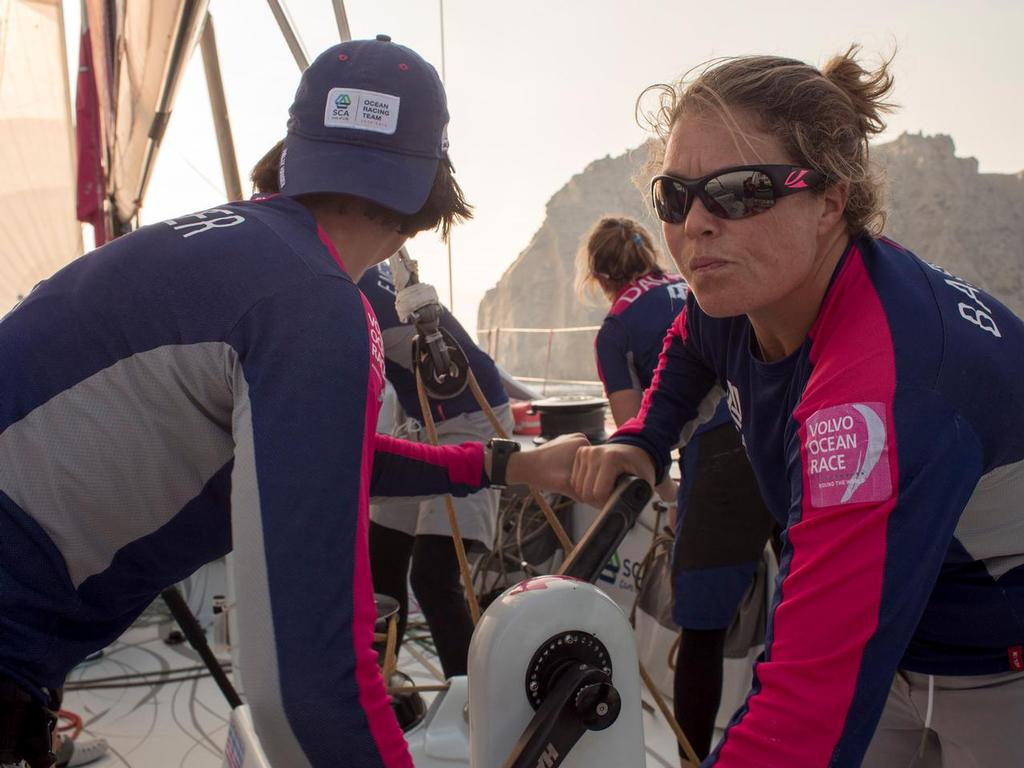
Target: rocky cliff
{"type": "Point", "coordinates": [939, 205]}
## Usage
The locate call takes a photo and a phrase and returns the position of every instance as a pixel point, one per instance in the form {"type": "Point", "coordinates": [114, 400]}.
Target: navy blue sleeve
{"type": "Point", "coordinates": [614, 362]}
{"type": "Point", "coordinates": [305, 391]}
{"type": "Point", "coordinates": [403, 469]}
{"type": "Point", "coordinates": [684, 394]}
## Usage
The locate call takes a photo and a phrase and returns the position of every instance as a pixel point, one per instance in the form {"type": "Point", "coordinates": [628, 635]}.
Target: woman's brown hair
{"type": "Point", "coordinates": [615, 252]}
{"type": "Point", "coordinates": [824, 118]}
{"type": "Point", "coordinates": [445, 204]}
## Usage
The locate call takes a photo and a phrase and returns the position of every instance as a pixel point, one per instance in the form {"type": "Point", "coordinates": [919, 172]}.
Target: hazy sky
{"type": "Point", "coordinates": [537, 89]}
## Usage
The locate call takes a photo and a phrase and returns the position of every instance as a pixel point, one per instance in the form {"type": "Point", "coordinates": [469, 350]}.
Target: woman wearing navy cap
{"type": "Point", "coordinates": [211, 383]}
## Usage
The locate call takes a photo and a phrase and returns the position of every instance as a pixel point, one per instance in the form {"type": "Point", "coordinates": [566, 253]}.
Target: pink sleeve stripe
{"type": "Point", "coordinates": [322, 233]}
{"type": "Point", "coordinates": [464, 462]}
{"type": "Point", "coordinates": [373, 696]}
{"type": "Point", "coordinates": [832, 592]}
{"type": "Point", "coordinates": [677, 331]}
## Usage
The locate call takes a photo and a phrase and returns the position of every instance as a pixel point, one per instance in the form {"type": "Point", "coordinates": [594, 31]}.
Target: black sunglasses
{"type": "Point", "coordinates": [731, 193]}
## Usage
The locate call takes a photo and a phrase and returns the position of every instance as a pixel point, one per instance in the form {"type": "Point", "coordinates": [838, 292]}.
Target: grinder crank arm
{"type": "Point", "coordinates": [606, 533]}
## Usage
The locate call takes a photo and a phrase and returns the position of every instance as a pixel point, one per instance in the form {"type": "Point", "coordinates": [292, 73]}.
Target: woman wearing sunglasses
{"type": "Point", "coordinates": [722, 522]}
{"type": "Point", "coordinates": [880, 401]}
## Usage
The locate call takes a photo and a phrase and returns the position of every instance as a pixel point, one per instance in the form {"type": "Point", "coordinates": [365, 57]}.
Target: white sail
{"type": "Point", "coordinates": [38, 229]}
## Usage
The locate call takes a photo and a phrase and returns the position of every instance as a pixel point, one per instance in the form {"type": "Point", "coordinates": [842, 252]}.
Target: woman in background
{"type": "Point", "coordinates": [722, 523]}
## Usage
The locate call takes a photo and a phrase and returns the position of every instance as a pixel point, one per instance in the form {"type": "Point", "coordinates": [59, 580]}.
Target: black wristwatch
{"type": "Point", "coordinates": [501, 450]}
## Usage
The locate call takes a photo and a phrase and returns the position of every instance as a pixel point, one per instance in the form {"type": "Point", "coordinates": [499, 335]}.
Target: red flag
{"type": "Point", "coordinates": [91, 181]}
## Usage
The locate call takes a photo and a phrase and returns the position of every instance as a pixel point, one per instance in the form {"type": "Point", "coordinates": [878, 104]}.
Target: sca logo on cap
{"type": "Point", "coordinates": [343, 101]}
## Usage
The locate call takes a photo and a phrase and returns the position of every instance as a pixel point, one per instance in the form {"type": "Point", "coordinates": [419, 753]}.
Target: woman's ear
{"type": "Point", "coordinates": [834, 197]}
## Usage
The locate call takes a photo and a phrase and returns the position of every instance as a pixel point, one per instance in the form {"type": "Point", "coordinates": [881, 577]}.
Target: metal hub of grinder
{"type": "Point", "coordinates": [559, 653]}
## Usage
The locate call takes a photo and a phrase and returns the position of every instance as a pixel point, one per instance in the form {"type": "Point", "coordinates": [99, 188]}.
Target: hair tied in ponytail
{"type": "Point", "coordinates": [637, 239]}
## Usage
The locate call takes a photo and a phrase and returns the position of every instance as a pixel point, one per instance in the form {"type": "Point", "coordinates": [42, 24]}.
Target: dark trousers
{"type": "Point", "coordinates": [436, 584]}
{"type": "Point", "coordinates": [26, 727]}
{"type": "Point", "coordinates": [698, 685]}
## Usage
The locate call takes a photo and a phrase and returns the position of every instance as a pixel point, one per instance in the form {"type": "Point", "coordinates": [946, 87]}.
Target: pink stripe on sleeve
{"type": "Point", "coordinates": [463, 463]}
{"type": "Point", "coordinates": [373, 695]}
{"type": "Point", "coordinates": [832, 592]}
{"type": "Point", "coordinates": [322, 233]}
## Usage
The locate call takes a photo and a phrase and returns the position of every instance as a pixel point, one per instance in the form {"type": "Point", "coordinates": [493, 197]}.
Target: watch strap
{"type": "Point", "coordinates": [501, 450]}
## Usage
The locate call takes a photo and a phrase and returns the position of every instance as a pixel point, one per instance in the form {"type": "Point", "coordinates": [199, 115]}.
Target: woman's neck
{"type": "Point", "coordinates": [361, 242]}
{"type": "Point", "coordinates": [781, 328]}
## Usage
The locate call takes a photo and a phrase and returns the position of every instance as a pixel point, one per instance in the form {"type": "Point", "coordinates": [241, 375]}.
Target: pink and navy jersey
{"type": "Point", "coordinates": [379, 288]}
{"type": "Point", "coordinates": [206, 384]}
{"type": "Point", "coordinates": [631, 337]}
{"type": "Point", "coordinates": [891, 445]}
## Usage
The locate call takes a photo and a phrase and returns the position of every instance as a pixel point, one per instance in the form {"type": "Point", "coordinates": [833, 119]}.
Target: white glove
{"type": "Point", "coordinates": [402, 269]}
{"type": "Point", "coordinates": [413, 298]}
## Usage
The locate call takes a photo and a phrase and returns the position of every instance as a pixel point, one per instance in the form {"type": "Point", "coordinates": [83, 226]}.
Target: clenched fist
{"type": "Point", "coordinates": [548, 467]}
{"type": "Point", "coordinates": [596, 469]}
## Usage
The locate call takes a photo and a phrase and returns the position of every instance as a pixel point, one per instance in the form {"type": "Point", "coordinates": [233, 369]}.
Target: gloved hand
{"type": "Point", "coordinates": [403, 269]}
{"type": "Point", "coordinates": [413, 298]}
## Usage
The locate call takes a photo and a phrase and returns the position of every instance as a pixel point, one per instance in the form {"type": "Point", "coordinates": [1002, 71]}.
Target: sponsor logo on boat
{"type": "Point", "coordinates": [846, 455]}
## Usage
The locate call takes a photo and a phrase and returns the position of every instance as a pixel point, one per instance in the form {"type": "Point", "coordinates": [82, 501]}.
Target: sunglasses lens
{"type": "Point", "coordinates": [738, 194]}
{"type": "Point", "coordinates": [669, 200]}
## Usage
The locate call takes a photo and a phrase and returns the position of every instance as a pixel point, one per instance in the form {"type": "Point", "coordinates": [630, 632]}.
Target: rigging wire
{"type": "Point", "coordinates": [448, 243]}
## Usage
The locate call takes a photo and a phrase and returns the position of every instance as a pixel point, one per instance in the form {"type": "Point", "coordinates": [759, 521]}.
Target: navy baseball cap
{"type": "Point", "coordinates": [369, 119]}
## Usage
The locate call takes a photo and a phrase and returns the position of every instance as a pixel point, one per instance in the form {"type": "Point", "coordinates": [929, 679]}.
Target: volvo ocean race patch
{"type": "Point", "coordinates": [361, 110]}
{"type": "Point", "coordinates": [847, 455]}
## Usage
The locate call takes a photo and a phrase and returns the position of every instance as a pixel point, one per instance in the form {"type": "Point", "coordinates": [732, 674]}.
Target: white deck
{"type": "Point", "coordinates": [177, 716]}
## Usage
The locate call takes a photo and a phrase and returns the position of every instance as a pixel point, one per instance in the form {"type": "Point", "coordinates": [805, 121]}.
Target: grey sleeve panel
{"type": "Point", "coordinates": [634, 375]}
{"type": "Point", "coordinates": [705, 412]}
{"type": "Point", "coordinates": [398, 345]}
{"type": "Point", "coordinates": [991, 527]}
{"type": "Point", "coordinates": [258, 653]}
{"type": "Point", "coordinates": [118, 455]}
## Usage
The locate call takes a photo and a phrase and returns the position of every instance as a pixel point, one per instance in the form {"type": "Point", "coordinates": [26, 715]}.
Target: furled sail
{"type": "Point", "coordinates": [139, 53]}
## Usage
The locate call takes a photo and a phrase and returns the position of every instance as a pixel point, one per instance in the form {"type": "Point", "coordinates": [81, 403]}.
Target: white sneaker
{"type": "Point", "coordinates": [81, 752]}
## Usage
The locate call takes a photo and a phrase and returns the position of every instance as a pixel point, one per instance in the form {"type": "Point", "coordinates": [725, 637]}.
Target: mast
{"type": "Point", "coordinates": [444, 80]}
{"type": "Point", "coordinates": [219, 107]}
{"type": "Point", "coordinates": [287, 26]}
{"type": "Point", "coordinates": [344, 32]}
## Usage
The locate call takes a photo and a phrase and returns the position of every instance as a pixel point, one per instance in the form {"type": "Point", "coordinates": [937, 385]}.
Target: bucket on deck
{"type": "Point", "coordinates": [567, 414]}
{"type": "Point", "coordinates": [526, 420]}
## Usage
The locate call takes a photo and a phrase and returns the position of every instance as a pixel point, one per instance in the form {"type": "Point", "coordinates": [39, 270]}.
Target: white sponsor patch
{"type": "Point", "coordinates": [847, 455]}
{"type": "Point", "coordinates": [361, 110]}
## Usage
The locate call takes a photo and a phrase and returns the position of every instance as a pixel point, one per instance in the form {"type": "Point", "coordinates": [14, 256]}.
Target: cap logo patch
{"type": "Point", "coordinates": [361, 110]}
{"type": "Point", "coordinates": [847, 455]}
